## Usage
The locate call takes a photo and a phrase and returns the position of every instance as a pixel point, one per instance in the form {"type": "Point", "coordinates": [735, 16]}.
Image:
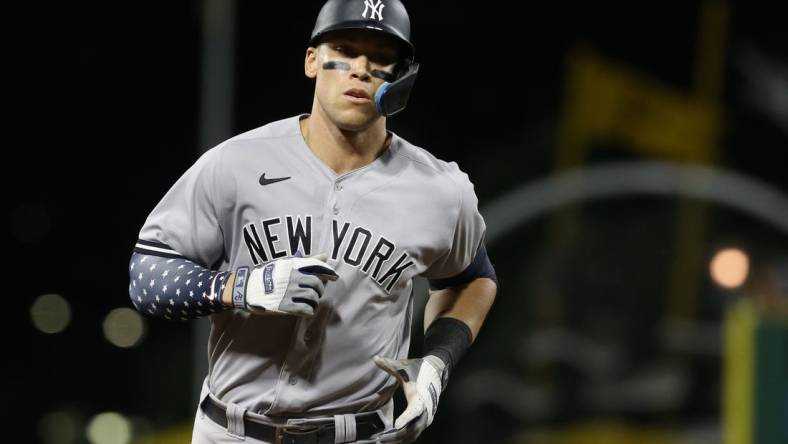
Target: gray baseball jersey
{"type": "Point", "coordinates": [264, 195]}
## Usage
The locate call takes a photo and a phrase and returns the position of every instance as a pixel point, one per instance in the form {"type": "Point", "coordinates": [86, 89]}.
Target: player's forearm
{"type": "Point", "coordinates": [175, 288]}
{"type": "Point", "coordinates": [468, 303]}
{"type": "Point", "coordinates": [452, 319]}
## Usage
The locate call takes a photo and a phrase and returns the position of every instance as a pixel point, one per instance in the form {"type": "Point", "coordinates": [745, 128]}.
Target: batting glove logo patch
{"type": "Point", "coordinates": [268, 278]}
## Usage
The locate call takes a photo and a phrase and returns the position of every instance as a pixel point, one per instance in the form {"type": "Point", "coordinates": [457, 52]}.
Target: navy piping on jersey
{"type": "Point", "coordinates": [165, 284]}
{"type": "Point", "coordinates": [481, 267]}
{"type": "Point", "coordinates": [156, 249]}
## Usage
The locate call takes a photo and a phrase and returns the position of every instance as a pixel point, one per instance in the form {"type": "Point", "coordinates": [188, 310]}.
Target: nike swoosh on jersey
{"type": "Point", "coordinates": [264, 181]}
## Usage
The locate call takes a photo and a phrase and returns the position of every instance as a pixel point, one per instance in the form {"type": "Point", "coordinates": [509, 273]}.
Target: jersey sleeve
{"type": "Point", "coordinates": [467, 238]}
{"type": "Point", "coordinates": [186, 221]}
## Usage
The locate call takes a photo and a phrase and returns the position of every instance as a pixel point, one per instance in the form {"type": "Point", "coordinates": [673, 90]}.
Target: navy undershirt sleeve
{"type": "Point", "coordinates": [481, 267]}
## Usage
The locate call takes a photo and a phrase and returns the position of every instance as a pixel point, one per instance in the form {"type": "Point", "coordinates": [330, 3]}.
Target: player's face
{"type": "Point", "coordinates": [349, 67]}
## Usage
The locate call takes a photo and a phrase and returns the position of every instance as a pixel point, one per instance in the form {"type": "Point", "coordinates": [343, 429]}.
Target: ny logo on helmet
{"type": "Point", "coordinates": [377, 9]}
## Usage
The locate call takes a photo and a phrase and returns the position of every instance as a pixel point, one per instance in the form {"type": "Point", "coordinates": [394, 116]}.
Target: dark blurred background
{"type": "Point", "coordinates": [630, 161]}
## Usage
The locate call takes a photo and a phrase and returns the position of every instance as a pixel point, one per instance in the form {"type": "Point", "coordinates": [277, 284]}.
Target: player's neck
{"type": "Point", "coordinates": [343, 151]}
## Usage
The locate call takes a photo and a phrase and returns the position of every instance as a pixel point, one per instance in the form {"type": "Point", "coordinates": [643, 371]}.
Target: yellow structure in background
{"type": "Point", "coordinates": [755, 406]}
{"type": "Point", "coordinates": [616, 104]}
{"type": "Point", "coordinates": [610, 104]}
{"type": "Point", "coordinates": [740, 323]}
{"type": "Point", "coordinates": [613, 104]}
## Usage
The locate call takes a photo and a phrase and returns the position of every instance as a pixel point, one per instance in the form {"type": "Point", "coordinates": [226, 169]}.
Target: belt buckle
{"type": "Point", "coordinates": [288, 435]}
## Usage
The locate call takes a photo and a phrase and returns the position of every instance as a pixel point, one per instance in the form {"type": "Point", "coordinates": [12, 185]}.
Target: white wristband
{"type": "Point", "coordinates": [239, 287]}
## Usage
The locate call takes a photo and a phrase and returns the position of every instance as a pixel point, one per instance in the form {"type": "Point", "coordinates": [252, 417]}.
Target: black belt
{"type": "Point", "coordinates": [367, 424]}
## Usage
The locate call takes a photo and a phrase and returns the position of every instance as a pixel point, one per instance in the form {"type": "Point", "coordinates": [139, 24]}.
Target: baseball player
{"type": "Point", "coordinates": [300, 240]}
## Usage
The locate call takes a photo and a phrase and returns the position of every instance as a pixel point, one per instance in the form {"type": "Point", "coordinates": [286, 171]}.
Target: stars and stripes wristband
{"type": "Point", "coordinates": [239, 287]}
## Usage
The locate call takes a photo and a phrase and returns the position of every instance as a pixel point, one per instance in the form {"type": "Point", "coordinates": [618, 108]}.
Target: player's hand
{"type": "Point", "coordinates": [291, 285]}
{"type": "Point", "coordinates": [420, 379]}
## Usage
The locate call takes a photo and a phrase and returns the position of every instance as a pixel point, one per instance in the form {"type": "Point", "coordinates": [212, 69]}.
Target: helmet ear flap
{"type": "Point", "coordinates": [401, 68]}
{"type": "Point", "coordinates": [391, 98]}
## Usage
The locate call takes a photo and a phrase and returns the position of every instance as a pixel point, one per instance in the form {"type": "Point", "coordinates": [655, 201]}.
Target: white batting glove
{"type": "Point", "coordinates": [420, 379]}
{"type": "Point", "coordinates": [289, 286]}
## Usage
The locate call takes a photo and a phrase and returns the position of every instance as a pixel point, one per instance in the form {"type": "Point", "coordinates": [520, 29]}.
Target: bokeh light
{"type": "Point", "coordinates": [124, 327]}
{"type": "Point", "coordinates": [109, 428]}
{"type": "Point", "coordinates": [730, 267]}
{"type": "Point", "coordinates": [50, 313]}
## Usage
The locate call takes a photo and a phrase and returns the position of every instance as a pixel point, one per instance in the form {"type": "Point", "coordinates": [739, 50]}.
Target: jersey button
{"type": "Point", "coordinates": [336, 211]}
{"type": "Point", "coordinates": [338, 187]}
{"type": "Point", "coordinates": [293, 380]}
